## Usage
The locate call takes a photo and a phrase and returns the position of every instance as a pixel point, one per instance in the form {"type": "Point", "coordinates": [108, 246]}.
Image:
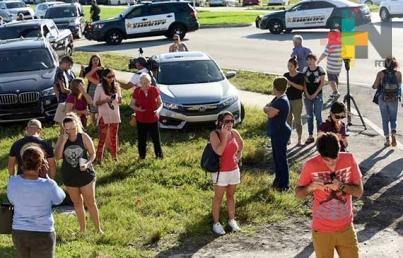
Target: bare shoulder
{"type": "Point", "coordinates": [86, 137]}
{"type": "Point", "coordinates": [236, 133]}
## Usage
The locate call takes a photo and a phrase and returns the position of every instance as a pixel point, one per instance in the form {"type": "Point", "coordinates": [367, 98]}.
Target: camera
{"type": "Point", "coordinates": [147, 62]}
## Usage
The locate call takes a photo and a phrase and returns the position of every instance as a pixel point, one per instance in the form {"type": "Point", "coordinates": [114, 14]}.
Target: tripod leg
{"type": "Point", "coordinates": [346, 101]}
{"type": "Point", "coordinates": [359, 113]}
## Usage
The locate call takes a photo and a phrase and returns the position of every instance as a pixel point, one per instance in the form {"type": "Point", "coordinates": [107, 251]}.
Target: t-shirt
{"type": "Point", "coordinates": [332, 211]}
{"type": "Point", "coordinates": [79, 104]}
{"type": "Point", "coordinates": [109, 112]}
{"type": "Point", "coordinates": [61, 75]}
{"type": "Point", "coordinates": [136, 76]}
{"type": "Point", "coordinates": [33, 200]}
{"type": "Point", "coordinates": [292, 92]}
{"type": "Point", "coordinates": [278, 124]}
{"type": "Point", "coordinates": [301, 53]}
{"type": "Point", "coordinates": [22, 144]}
{"type": "Point", "coordinates": [147, 102]}
{"type": "Point", "coordinates": [312, 79]}
{"type": "Point", "coordinates": [334, 59]}
{"type": "Point", "coordinates": [329, 126]}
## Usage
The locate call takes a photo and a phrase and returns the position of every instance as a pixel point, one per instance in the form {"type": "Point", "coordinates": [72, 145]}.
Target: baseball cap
{"type": "Point", "coordinates": [34, 122]}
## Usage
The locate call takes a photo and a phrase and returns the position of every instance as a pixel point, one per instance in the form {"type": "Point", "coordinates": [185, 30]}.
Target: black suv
{"type": "Point", "coordinates": [144, 20]}
{"type": "Point", "coordinates": [27, 70]}
{"type": "Point", "coordinates": [61, 40]}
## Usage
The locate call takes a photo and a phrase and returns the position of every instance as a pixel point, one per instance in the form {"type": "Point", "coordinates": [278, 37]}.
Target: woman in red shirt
{"type": "Point", "coordinates": [228, 143]}
{"type": "Point", "coordinates": [146, 102]}
{"type": "Point", "coordinates": [78, 100]}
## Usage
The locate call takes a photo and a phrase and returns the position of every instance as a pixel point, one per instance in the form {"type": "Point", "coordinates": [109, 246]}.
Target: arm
{"type": "Point", "coordinates": [69, 107]}
{"type": "Point", "coordinates": [12, 162]}
{"type": "Point", "coordinates": [377, 81]}
{"type": "Point", "coordinates": [91, 73]}
{"type": "Point", "coordinates": [52, 167]}
{"type": "Point", "coordinates": [301, 192]}
{"type": "Point", "coordinates": [89, 145]}
{"type": "Point", "coordinates": [270, 111]}
{"type": "Point", "coordinates": [217, 143]}
{"type": "Point", "coordinates": [159, 105]}
{"type": "Point", "coordinates": [63, 87]}
{"type": "Point", "coordinates": [322, 56]}
{"type": "Point", "coordinates": [240, 142]}
{"type": "Point", "coordinates": [127, 86]}
{"type": "Point", "coordinates": [297, 86]}
{"type": "Point", "coordinates": [60, 146]}
{"type": "Point", "coordinates": [58, 194]}
{"type": "Point", "coordinates": [134, 107]}
{"type": "Point", "coordinates": [322, 82]}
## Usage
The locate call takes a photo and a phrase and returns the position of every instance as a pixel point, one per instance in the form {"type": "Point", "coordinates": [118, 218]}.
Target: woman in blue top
{"type": "Point", "coordinates": [279, 132]}
{"type": "Point", "coordinates": [33, 229]}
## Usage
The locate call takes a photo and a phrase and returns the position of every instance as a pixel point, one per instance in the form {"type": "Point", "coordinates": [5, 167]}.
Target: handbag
{"type": "Point", "coordinates": [133, 121]}
{"type": "Point", "coordinates": [210, 161]}
{"type": "Point", "coordinates": [6, 218]}
{"type": "Point", "coordinates": [376, 96]}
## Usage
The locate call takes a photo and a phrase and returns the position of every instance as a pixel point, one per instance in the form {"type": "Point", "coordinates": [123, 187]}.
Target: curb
{"type": "Point", "coordinates": [218, 26]}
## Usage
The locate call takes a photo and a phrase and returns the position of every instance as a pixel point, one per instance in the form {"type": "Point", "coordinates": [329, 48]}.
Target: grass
{"type": "Point", "coordinates": [244, 80]}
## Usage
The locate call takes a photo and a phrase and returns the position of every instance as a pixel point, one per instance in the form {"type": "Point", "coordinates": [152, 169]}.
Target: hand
{"type": "Point", "coordinates": [316, 186]}
{"type": "Point", "coordinates": [43, 171]}
{"type": "Point", "coordinates": [65, 137]}
{"type": "Point", "coordinates": [81, 88]}
{"type": "Point", "coordinates": [335, 185]}
{"type": "Point", "coordinates": [108, 99]}
{"type": "Point", "coordinates": [84, 167]}
{"type": "Point", "coordinates": [225, 131]}
{"type": "Point", "coordinates": [313, 96]}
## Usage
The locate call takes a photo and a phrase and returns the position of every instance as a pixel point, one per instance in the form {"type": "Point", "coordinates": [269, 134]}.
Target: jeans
{"type": "Point", "coordinates": [143, 129]}
{"type": "Point", "coordinates": [314, 108]}
{"type": "Point", "coordinates": [389, 116]}
{"type": "Point", "coordinates": [32, 244]}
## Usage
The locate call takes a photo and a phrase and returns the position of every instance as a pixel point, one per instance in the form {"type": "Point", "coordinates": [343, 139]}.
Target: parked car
{"type": "Point", "coordinates": [41, 9]}
{"type": "Point", "coordinates": [60, 40]}
{"type": "Point", "coordinates": [212, 3]}
{"type": "Point", "coordinates": [16, 7]}
{"type": "Point", "coordinates": [250, 2]}
{"type": "Point", "coordinates": [67, 16]}
{"type": "Point", "coordinates": [199, 94]}
{"type": "Point", "coordinates": [369, 2]}
{"type": "Point", "coordinates": [313, 14]}
{"type": "Point", "coordinates": [389, 9]}
{"type": "Point", "coordinates": [27, 70]}
{"type": "Point", "coordinates": [145, 20]}
{"type": "Point", "coordinates": [7, 17]}
{"type": "Point", "coordinates": [277, 2]}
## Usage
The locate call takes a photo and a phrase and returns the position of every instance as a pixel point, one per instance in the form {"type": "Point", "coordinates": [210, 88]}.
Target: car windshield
{"type": "Point", "coordinates": [61, 12]}
{"type": "Point", "coordinates": [15, 5]}
{"type": "Point", "coordinates": [24, 60]}
{"type": "Point", "coordinates": [20, 31]}
{"type": "Point", "coordinates": [189, 72]}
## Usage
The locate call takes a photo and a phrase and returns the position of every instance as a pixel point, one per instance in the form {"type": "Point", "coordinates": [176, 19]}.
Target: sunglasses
{"type": "Point", "coordinates": [110, 76]}
{"type": "Point", "coordinates": [229, 121]}
{"type": "Point", "coordinates": [339, 117]}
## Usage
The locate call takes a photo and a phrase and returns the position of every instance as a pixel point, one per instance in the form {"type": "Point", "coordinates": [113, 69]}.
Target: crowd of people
{"type": "Point", "coordinates": [333, 187]}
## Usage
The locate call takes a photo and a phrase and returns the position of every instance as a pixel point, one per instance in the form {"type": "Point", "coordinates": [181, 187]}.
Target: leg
{"type": "Point", "coordinates": [103, 130]}
{"type": "Point", "coordinates": [230, 194]}
{"type": "Point", "coordinates": [318, 106]}
{"type": "Point", "coordinates": [393, 108]}
{"type": "Point", "coordinates": [296, 112]}
{"type": "Point", "coordinates": [291, 114]}
{"type": "Point", "coordinates": [75, 195]}
{"type": "Point", "coordinates": [20, 239]}
{"type": "Point", "coordinates": [114, 139]}
{"type": "Point", "coordinates": [88, 193]}
{"type": "Point", "coordinates": [347, 244]}
{"type": "Point", "coordinates": [282, 170]}
{"type": "Point", "coordinates": [274, 157]}
{"type": "Point", "coordinates": [142, 139]}
{"type": "Point", "coordinates": [385, 117]}
{"type": "Point", "coordinates": [218, 195]}
{"type": "Point", "coordinates": [324, 244]}
{"type": "Point", "coordinates": [155, 136]}
{"type": "Point", "coordinates": [43, 245]}
{"type": "Point", "coordinates": [309, 113]}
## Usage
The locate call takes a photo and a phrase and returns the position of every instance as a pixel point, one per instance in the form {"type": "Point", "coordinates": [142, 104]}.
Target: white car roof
{"type": "Point", "coordinates": [183, 56]}
{"type": "Point", "coordinates": [51, 3]}
{"type": "Point", "coordinates": [337, 3]}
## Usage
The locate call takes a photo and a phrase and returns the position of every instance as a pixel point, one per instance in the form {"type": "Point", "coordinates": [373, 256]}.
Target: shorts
{"type": "Point", "coordinates": [34, 244]}
{"type": "Point", "coordinates": [333, 77]}
{"type": "Point", "coordinates": [227, 178]}
{"type": "Point", "coordinates": [60, 113]}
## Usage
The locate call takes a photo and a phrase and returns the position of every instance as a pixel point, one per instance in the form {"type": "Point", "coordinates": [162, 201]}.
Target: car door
{"type": "Point", "coordinates": [53, 36]}
{"type": "Point", "coordinates": [294, 16]}
{"type": "Point", "coordinates": [135, 20]}
{"type": "Point", "coordinates": [309, 15]}
{"type": "Point", "coordinates": [160, 17]}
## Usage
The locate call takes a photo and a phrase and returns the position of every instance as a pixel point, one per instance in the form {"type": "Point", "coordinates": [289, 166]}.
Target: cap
{"type": "Point", "coordinates": [34, 122]}
{"type": "Point", "coordinates": [141, 60]}
{"type": "Point", "coordinates": [280, 84]}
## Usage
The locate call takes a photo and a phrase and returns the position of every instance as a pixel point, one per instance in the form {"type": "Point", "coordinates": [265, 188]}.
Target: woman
{"type": "Point", "coordinates": [279, 132]}
{"type": "Point", "coordinates": [178, 46]}
{"type": "Point", "coordinates": [228, 144]}
{"type": "Point", "coordinates": [92, 73]}
{"type": "Point", "coordinates": [107, 98]}
{"type": "Point", "coordinates": [388, 83]}
{"type": "Point", "coordinates": [314, 81]}
{"type": "Point", "coordinates": [78, 100]}
{"type": "Point", "coordinates": [335, 124]}
{"type": "Point", "coordinates": [294, 95]}
{"type": "Point", "coordinates": [33, 229]}
{"type": "Point", "coordinates": [78, 153]}
{"type": "Point", "coordinates": [146, 102]}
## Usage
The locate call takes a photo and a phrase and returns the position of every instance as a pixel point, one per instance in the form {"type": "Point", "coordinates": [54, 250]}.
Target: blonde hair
{"type": "Point", "coordinates": [143, 77]}
{"type": "Point", "coordinates": [72, 117]}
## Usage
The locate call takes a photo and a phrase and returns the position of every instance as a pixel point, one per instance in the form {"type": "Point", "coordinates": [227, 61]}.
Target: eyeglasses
{"type": "Point", "coordinates": [229, 121]}
{"type": "Point", "coordinates": [339, 116]}
{"type": "Point", "coordinates": [110, 76]}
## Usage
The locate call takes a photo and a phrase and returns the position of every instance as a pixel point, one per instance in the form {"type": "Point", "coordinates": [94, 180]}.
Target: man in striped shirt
{"type": "Point", "coordinates": [333, 53]}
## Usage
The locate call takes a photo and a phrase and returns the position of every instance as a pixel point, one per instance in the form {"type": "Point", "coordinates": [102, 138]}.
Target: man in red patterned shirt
{"type": "Point", "coordinates": [333, 177]}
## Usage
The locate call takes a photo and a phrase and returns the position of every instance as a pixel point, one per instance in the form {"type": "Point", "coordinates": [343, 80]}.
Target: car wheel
{"type": "Point", "coordinates": [177, 29]}
{"type": "Point", "coordinates": [114, 37]}
{"type": "Point", "coordinates": [384, 14]}
{"type": "Point", "coordinates": [287, 30]}
{"type": "Point", "coordinates": [368, 2]}
{"type": "Point", "coordinates": [275, 27]}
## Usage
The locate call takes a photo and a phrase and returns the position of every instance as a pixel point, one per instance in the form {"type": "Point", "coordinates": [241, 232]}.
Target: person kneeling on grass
{"type": "Point", "coordinates": [333, 177]}
{"type": "Point", "coordinates": [33, 193]}
{"type": "Point", "coordinates": [228, 143]}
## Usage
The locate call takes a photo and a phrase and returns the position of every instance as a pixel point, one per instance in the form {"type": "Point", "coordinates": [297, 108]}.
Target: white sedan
{"type": "Point", "coordinates": [41, 9]}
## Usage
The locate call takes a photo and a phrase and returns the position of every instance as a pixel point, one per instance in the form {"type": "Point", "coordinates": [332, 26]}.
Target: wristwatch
{"type": "Point", "coordinates": [341, 188]}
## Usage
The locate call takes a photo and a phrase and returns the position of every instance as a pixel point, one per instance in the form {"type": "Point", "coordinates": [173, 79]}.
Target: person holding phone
{"type": "Point", "coordinates": [108, 97]}
{"type": "Point", "coordinates": [78, 153]}
{"type": "Point", "coordinates": [228, 144]}
{"type": "Point", "coordinates": [33, 193]}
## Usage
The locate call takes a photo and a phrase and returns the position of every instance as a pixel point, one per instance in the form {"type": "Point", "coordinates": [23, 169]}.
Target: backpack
{"type": "Point", "coordinates": [390, 86]}
{"type": "Point", "coordinates": [210, 161]}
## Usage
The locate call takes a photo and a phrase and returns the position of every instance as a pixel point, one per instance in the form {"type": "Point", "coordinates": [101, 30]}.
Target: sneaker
{"type": "Point", "coordinates": [234, 226]}
{"type": "Point", "coordinates": [218, 229]}
{"type": "Point", "coordinates": [336, 95]}
{"type": "Point", "coordinates": [394, 143]}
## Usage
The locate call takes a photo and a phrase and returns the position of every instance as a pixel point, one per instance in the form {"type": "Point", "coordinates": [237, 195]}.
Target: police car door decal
{"type": "Point", "coordinates": [150, 23]}
{"type": "Point", "coordinates": [308, 18]}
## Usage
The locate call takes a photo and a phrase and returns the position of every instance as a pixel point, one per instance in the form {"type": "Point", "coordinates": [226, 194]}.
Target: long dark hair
{"type": "Point", "coordinates": [220, 119]}
{"type": "Point", "coordinates": [92, 57]}
{"type": "Point", "coordinates": [109, 90]}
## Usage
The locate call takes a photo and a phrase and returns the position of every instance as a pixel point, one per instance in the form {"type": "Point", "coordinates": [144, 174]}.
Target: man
{"type": "Point", "coordinates": [94, 11]}
{"type": "Point", "coordinates": [178, 46]}
{"type": "Point", "coordinates": [61, 86]}
{"type": "Point", "coordinates": [300, 52]}
{"type": "Point", "coordinates": [333, 177]}
{"type": "Point", "coordinates": [333, 53]}
{"type": "Point", "coordinates": [20, 17]}
{"type": "Point", "coordinates": [32, 138]}
{"type": "Point", "coordinates": [140, 64]}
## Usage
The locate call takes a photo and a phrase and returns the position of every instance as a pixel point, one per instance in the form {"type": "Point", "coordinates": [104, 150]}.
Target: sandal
{"type": "Point", "coordinates": [310, 140]}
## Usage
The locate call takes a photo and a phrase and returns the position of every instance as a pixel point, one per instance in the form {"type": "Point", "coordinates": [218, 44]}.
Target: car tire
{"type": "Point", "coordinates": [384, 14]}
{"type": "Point", "coordinates": [287, 31]}
{"type": "Point", "coordinates": [275, 27]}
{"type": "Point", "coordinates": [114, 37]}
{"type": "Point", "coordinates": [368, 2]}
{"type": "Point", "coordinates": [177, 29]}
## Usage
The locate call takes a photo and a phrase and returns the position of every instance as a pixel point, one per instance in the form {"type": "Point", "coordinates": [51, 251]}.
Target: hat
{"type": "Point", "coordinates": [280, 84]}
{"type": "Point", "coordinates": [34, 122]}
{"type": "Point", "coordinates": [141, 60]}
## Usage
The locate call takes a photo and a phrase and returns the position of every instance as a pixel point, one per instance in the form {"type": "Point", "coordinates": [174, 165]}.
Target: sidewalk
{"type": "Point", "coordinates": [379, 214]}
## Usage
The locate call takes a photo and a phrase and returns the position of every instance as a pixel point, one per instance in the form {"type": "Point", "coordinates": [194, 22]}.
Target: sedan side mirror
{"type": "Point", "coordinates": [230, 74]}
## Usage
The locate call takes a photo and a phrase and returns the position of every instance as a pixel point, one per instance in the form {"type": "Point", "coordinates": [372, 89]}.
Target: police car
{"type": "Point", "coordinates": [309, 14]}
{"type": "Point", "coordinates": [144, 20]}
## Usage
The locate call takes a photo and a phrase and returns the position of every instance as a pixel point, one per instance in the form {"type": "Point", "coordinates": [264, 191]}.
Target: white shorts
{"type": "Point", "coordinates": [227, 178]}
{"type": "Point", "coordinates": [60, 113]}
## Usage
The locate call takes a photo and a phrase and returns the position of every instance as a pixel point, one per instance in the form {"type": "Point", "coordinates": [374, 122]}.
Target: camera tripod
{"type": "Point", "coordinates": [348, 98]}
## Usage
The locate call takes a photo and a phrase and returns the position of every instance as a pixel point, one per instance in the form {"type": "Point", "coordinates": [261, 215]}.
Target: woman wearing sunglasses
{"type": "Point", "coordinates": [108, 97]}
{"type": "Point", "coordinates": [228, 144]}
{"type": "Point", "coordinates": [335, 124]}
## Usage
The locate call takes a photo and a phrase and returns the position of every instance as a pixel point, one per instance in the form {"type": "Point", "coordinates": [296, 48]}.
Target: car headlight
{"type": "Point", "coordinates": [170, 106]}
{"type": "Point", "coordinates": [229, 101]}
{"type": "Point", "coordinates": [99, 26]}
{"type": "Point", "coordinates": [48, 92]}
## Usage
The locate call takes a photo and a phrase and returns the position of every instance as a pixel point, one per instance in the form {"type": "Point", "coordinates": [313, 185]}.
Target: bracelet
{"type": "Point", "coordinates": [341, 188]}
